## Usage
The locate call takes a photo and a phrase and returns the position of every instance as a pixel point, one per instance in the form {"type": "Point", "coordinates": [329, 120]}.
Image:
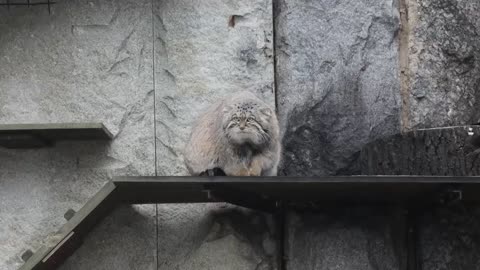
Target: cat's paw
{"type": "Point", "coordinates": [213, 172]}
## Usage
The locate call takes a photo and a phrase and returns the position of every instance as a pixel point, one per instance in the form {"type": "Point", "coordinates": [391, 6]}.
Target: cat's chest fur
{"type": "Point", "coordinates": [242, 161]}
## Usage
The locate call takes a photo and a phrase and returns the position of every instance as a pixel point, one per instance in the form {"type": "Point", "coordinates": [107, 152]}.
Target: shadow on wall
{"type": "Point", "coordinates": [220, 235]}
{"type": "Point", "coordinates": [126, 229]}
{"type": "Point", "coordinates": [452, 151]}
{"type": "Point", "coordinates": [372, 236]}
{"type": "Point", "coordinates": [324, 137]}
{"type": "Point", "coordinates": [247, 226]}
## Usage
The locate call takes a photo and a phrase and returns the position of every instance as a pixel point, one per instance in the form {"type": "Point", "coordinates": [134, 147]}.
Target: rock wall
{"type": "Point", "coordinates": [204, 51]}
{"type": "Point", "coordinates": [145, 69]}
{"type": "Point", "coordinates": [443, 54]}
{"type": "Point", "coordinates": [441, 151]}
{"type": "Point", "coordinates": [85, 62]}
{"type": "Point", "coordinates": [343, 75]}
{"type": "Point", "coordinates": [448, 238]}
{"type": "Point", "coordinates": [349, 238]}
{"type": "Point", "coordinates": [338, 80]}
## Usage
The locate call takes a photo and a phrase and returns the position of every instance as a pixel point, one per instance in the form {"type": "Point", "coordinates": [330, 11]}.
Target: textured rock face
{"type": "Point", "coordinates": [84, 63]}
{"type": "Point", "coordinates": [94, 62]}
{"type": "Point", "coordinates": [436, 151]}
{"type": "Point", "coordinates": [215, 236]}
{"type": "Point", "coordinates": [38, 186]}
{"type": "Point", "coordinates": [346, 239]}
{"type": "Point", "coordinates": [121, 241]}
{"type": "Point", "coordinates": [339, 89]}
{"type": "Point", "coordinates": [444, 63]}
{"type": "Point", "coordinates": [449, 239]}
{"type": "Point", "coordinates": [87, 62]}
{"type": "Point", "coordinates": [338, 84]}
{"type": "Point", "coordinates": [203, 52]}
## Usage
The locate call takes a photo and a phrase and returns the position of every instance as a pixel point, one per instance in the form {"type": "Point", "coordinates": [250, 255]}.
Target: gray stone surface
{"type": "Point", "coordinates": [444, 63]}
{"type": "Point", "coordinates": [338, 80]}
{"type": "Point", "coordinates": [449, 151]}
{"type": "Point", "coordinates": [215, 236]}
{"type": "Point", "coordinates": [449, 238]}
{"type": "Point", "coordinates": [87, 62]}
{"type": "Point", "coordinates": [339, 89]}
{"type": "Point", "coordinates": [199, 57]}
{"type": "Point", "coordinates": [125, 240]}
{"type": "Point", "coordinates": [343, 239]}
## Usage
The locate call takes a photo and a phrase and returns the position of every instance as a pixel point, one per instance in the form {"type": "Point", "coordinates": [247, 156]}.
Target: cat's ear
{"type": "Point", "coordinates": [267, 112]}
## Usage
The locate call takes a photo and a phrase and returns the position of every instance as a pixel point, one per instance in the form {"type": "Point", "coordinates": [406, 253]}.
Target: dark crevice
{"type": "Point", "coordinates": [413, 251]}
{"type": "Point", "coordinates": [281, 220]}
{"type": "Point", "coordinates": [154, 90]}
{"type": "Point", "coordinates": [155, 131]}
{"type": "Point", "coordinates": [275, 12]}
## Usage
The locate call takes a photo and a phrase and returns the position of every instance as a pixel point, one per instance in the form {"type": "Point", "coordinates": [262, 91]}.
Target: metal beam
{"type": "Point", "coordinates": [270, 194]}
{"type": "Point", "coordinates": [408, 190]}
{"type": "Point", "coordinates": [41, 135]}
{"type": "Point", "coordinates": [69, 237]}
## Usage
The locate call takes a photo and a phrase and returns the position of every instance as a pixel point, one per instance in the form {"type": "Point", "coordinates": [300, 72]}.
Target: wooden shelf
{"type": "Point", "coordinates": [41, 135]}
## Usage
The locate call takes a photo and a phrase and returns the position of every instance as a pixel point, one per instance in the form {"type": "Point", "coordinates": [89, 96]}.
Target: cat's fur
{"type": "Point", "coordinates": [239, 135]}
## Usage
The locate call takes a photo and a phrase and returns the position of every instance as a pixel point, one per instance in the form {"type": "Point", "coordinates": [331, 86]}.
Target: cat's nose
{"type": "Point", "coordinates": [242, 126]}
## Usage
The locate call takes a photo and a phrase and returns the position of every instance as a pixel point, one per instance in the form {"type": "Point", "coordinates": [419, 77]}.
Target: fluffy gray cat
{"type": "Point", "coordinates": [239, 135]}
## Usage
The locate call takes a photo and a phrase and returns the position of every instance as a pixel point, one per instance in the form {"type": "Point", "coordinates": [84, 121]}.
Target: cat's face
{"type": "Point", "coordinates": [247, 123]}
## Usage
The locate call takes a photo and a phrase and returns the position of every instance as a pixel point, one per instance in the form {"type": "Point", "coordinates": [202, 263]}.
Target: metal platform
{"type": "Point", "coordinates": [28, 3]}
{"type": "Point", "coordinates": [41, 135]}
{"type": "Point", "coordinates": [271, 194]}
{"type": "Point", "coordinates": [404, 190]}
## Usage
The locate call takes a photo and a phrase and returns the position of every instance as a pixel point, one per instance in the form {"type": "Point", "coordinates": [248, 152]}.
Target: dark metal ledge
{"type": "Point", "coordinates": [339, 189]}
{"type": "Point", "coordinates": [41, 135]}
{"type": "Point", "coordinates": [261, 193]}
{"type": "Point", "coordinates": [29, 3]}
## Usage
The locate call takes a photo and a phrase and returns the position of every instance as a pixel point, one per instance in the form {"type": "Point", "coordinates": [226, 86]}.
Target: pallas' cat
{"type": "Point", "coordinates": [238, 135]}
